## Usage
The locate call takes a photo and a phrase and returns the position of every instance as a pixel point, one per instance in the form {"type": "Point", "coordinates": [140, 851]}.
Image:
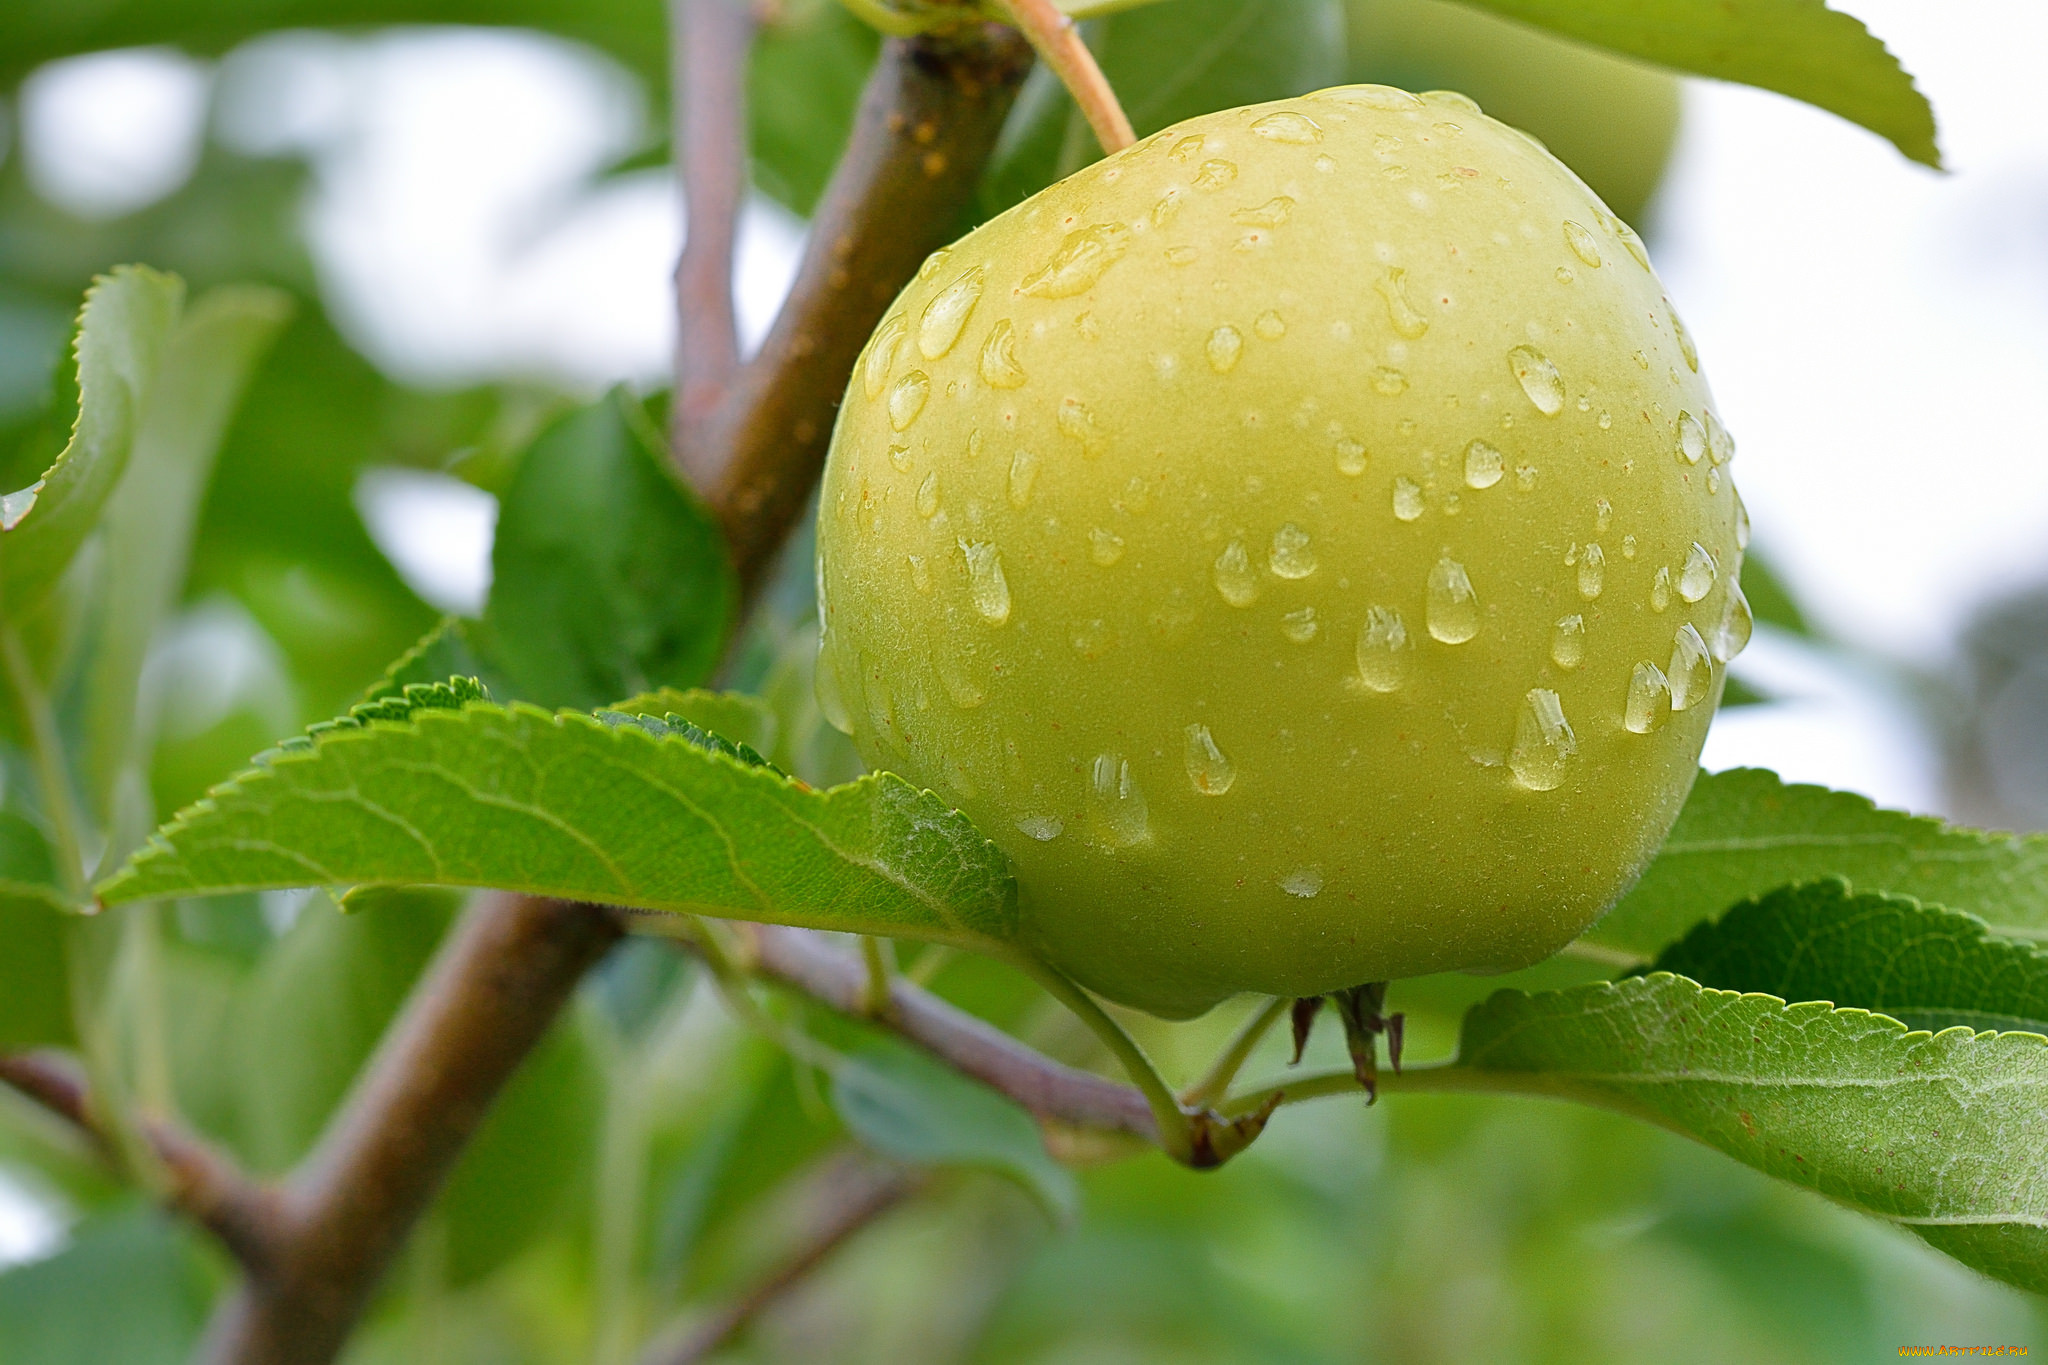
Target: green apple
{"type": "Point", "coordinates": [1302, 541]}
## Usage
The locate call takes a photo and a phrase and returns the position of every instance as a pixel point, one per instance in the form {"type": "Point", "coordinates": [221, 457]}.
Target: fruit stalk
{"type": "Point", "coordinates": [1058, 41]}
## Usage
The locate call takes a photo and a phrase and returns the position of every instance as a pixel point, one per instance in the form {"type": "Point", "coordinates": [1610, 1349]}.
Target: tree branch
{"type": "Point", "coordinates": [856, 1191]}
{"type": "Point", "coordinates": [202, 1183]}
{"type": "Point", "coordinates": [1044, 1087]}
{"type": "Point", "coordinates": [489, 996]}
{"type": "Point", "coordinates": [927, 122]}
{"type": "Point", "coordinates": [710, 41]}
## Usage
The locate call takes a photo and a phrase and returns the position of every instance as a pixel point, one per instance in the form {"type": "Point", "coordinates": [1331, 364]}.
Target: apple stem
{"type": "Point", "coordinates": [1176, 1127]}
{"type": "Point", "coordinates": [1216, 1084]}
{"type": "Point", "coordinates": [1058, 42]}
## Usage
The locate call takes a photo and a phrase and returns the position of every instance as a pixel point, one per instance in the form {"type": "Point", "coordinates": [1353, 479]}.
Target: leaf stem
{"type": "Point", "coordinates": [46, 751]}
{"type": "Point", "coordinates": [1216, 1084]}
{"type": "Point", "coordinates": [1058, 42]}
{"type": "Point", "coordinates": [1443, 1078]}
{"type": "Point", "coordinates": [879, 954]}
{"type": "Point", "coordinates": [1176, 1130]}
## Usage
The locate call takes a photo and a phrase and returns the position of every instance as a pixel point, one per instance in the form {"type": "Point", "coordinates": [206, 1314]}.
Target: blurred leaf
{"type": "Point", "coordinates": [1769, 601]}
{"type": "Point", "coordinates": [317, 1006]}
{"type": "Point", "coordinates": [609, 578]}
{"type": "Point", "coordinates": [1799, 48]}
{"type": "Point", "coordinates": [1168, 62]}
{"type": "Point", "coordinates": [568, 806]}
{"type": "Point", "coordinates": [1612, 120]}
{"type": "Point", "coordinates": [529, 1161]}
{"type": "Point", "coordinates": [447, 651]}
{"type": "Point", "coordinates": [1744, 832]}
{"type": "Point", "coordinates": [123, 331]}
{"type": "Point", "coordinates": [802, 88]}
{"type": "Point", "coordinates": [151, 516]}
{"type": "Point", "coordinates": [35, 997]}
{"type": "Point", "coordinates": [903, 1104]}
{"type": "Point", "coordinates": [1940, 1134]}
{"type": "Point", "coordinates": [1926, 967]}
{"type": "Point", "coordinates": [130, 1288]}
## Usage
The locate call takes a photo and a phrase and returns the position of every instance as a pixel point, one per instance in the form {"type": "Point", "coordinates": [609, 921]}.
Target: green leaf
{"type": "Point", "coordinates": [1744, 832]}
{"type": "Point", "coordinates": [527, 1164]}
{"type": "Point", "coordinates": [131, 1288]}
{"type": "Point", "coordinates": [151, 516]}
{"type": "Point", "coordinates": [35, 996]}
{"type": "Point", "coordinates": [123, 331]}
{"type": "Point", "coordinates": [802, 89]}
{"type": "Point", "coordinates": [904, 1105]}
{"type": "Point", "coordinates": [1770, 602]}
{"type": "Point", "coordinates": [731, 715]}
{"type": "Point", "coordinates": [1939, 1133]}
{"type": "Point", "coordinates": [1799, 48]}
{"type": "Point", "coordinates": [608, 577]}
{"type": "Point", "coordinates": [564, 805]}
{"type": "Point", "coordinates": [1926, 967]}
{"type": "Point", "coordinates": [1168, 62]}
{"type": "Point", "coordinates": [317, 1007]}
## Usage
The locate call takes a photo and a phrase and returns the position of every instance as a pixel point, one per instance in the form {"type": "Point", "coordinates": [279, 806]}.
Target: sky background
{"type": "Point", "coordinates": [1874, 331]}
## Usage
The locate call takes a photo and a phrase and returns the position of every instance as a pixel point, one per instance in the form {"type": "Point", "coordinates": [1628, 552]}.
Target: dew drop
{"type": "Point", "coordinates": [1603, 514]}
{"type": "Point", "coordinates": [920, 573]}
{"type": "Point", "coordinates": [1181, 255]}
{"type": "Point", "coordinates": [899, 458]}
{"type": "Point", "coordinates": [1023, 475]}
{"type": "Point", "coordinates": [1077, 423]}
{"type": "Point", "coordinates": [1741, 524]}
{"type": "Point", "coordinates": [1270, 326]}
{"type": "Point", "coordinates": [1691, 669]}
{"type": "Point", "coordinates": [1384, 651]}
{"type": "Point", "coordinates": [1389, 381]}
{"type": "Point", "coordinates": [945, 317]}
{"type": "Point", "coordinates": [1685, 346]}
{"type": "Point", "coordinates": [1649, 700]}
{"type": "Point", "coordinates": [1105, 547]}
{"type": "Point", "coordinates": [1407, 499]}
{"type": "Point", "coordinates": [1720, 445]}
{"type": "Point", "coordinates": [1483, 465]}
{"type": "Point", "coordinates": [1538, 378]}
{"type": "Point", "coordinates": [1525, 477]}
{"type": "Point", "coordinates": [1660, 589]}
{"type": "Point", "coordinates": [1118, 807]}
{"type": "Point", "coordinates": [1044, 828]}
{"type": "Point", "coordinates": [1300, 627]}
{"type": "Point", "coordinates": [1214, 175]}
{"type": "Point", "coordinates": [1713, 479]}
{"type": "Point", "coordinates": [1080, 261]}
{"type": "Point", "coordinates": [999, 367]}
{"type": "Point", "coordinates": [1592, 572]}
{"type": "Point", "coordinates": [874, 371]}
{"type": "Point", "coordinates": [1292, 555]}
{"type": "Point", "coordinates": [1305, 882]}
{"type": "Point", "coordinates": [1731, 635]}
{"type": "Point", "coordinates": [1233, 575]}
{"type": "Point", "coordinates": [1582, 244]}
{"type": "Point", "coordinates": [1692, 438]}
{"type": "Point", "coordinates": [1188, 148]}
{"type": "Point", "coordinates": [1393, 287]}
{"type": "Point", "coordinates": [1297, 129]}
{"type": "Point", "coordinates": [1226, 344]}
{"type": "Point", "coordinates": [1696, 579]}
{"type": "Point", "coordinates": [907, 399]}
{"type": "Point", "coordinates": [1385, 98]}
{"type": "Point", "coordinates": [1273, 213]}
{"type": "Point", "coordinates": [1544, 742]}
{"type": "Point", "coordinates": [1634, 243]}
{"type": "Point", "coordinates": [960, 686]}
{"type": "Point", "coordinates": [831, 698]}
{"type": "Point", "coordinates": [1209, 771]}
{"type": "Point", "coordinates": [1451, 608]}
{"type": "Point", "coordinates": [985, 581]}
{"type": "Point", "coordinates": [1168, 207]}
{"type": "Point", "coordinates": [1450, 99]}
{"type": "Point", "coordinates": [1568, 642]}
{"type": "Point", "coordinates": [928, 495]}
{"type": "Point", "coordinates": [1628, 547]}
{"type": "Point", "coordinates": [1350, 457]}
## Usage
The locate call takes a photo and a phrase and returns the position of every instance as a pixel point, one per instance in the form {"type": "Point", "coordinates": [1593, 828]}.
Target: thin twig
{"type": "Point", "coordinates": [203, 1183]}
{"type": "Point", "coordinates": [1058, 41]}
{"type": "Point", "coordinates": [839, 981]}
{"type": "Point", "coordinates": [710, 40]}
{"type": "Point", "coordinates": [1216, 1084]}
{"type": "Point", "coordinates": [487, 999]}
{"type": "Point", "coordinates": [927, 122]}
{"type": "Point", "coordinates": [857, 1191]}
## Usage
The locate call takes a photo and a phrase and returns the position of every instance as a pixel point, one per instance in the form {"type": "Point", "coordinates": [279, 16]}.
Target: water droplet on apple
{"type": "Point", "coordinates": [1544, 742]}
{"type": "Point", "coordinates": [1082, 258]}
{"type": "Point", "coordinates": [1300, 627]}
{"type": "Point", "coordinates": [907, 399]}
{"type": "Point", "coordinates": [1568, 642]}
{"type": "Point", "coordinates": [1649, 700]}
{"type": "Point", "coordinates": [1292, 557]}
{"type": "Point", "coordinates": [999, 367]}
{"type": "Point", "coordinates": [945, 317]}
{"type": "Point", "coordinates": [1225, 345]}
{"type": "Point", "coordinates": [1296, 129]}
{"type": "Point", "coordinates": [1696, 579]}
{"type": "Point", "coordinates": [1592, 571]}
{"type": "Point", "coordinates": [1105, 547]}
{"type": "Point", "coordinates": [1483, 465]}
{"type": "Point", "coordinates": [1538, 378]}
{"type": "Point", "coordinates": [1407, 499]}
{"type": "Point", "coordinates": [1234, 578]}
{"type": "Point", "coordinates": [1120, 815]}
{"type": "Point", "coordinates": [1208, 770]}
{"type": "Point", "coordinates": [985, 581]}
{"type": "Point", "coordinates": [1582, 244]}
{"type": "Point", "coordinates": [1451, 608]}
{"type": "Point", "coordinates": [1691, 669]}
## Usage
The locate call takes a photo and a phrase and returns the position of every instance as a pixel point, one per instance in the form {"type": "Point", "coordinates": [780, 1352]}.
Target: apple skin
{"type": "Point", "coordinates": [1133, 483]}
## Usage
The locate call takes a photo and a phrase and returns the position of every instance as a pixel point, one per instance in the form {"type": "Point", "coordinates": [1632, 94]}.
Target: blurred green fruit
{"type": "Point", "coordinates": [1301, 541]}
{"type": "Point", "coordinates": [1610, 119]}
